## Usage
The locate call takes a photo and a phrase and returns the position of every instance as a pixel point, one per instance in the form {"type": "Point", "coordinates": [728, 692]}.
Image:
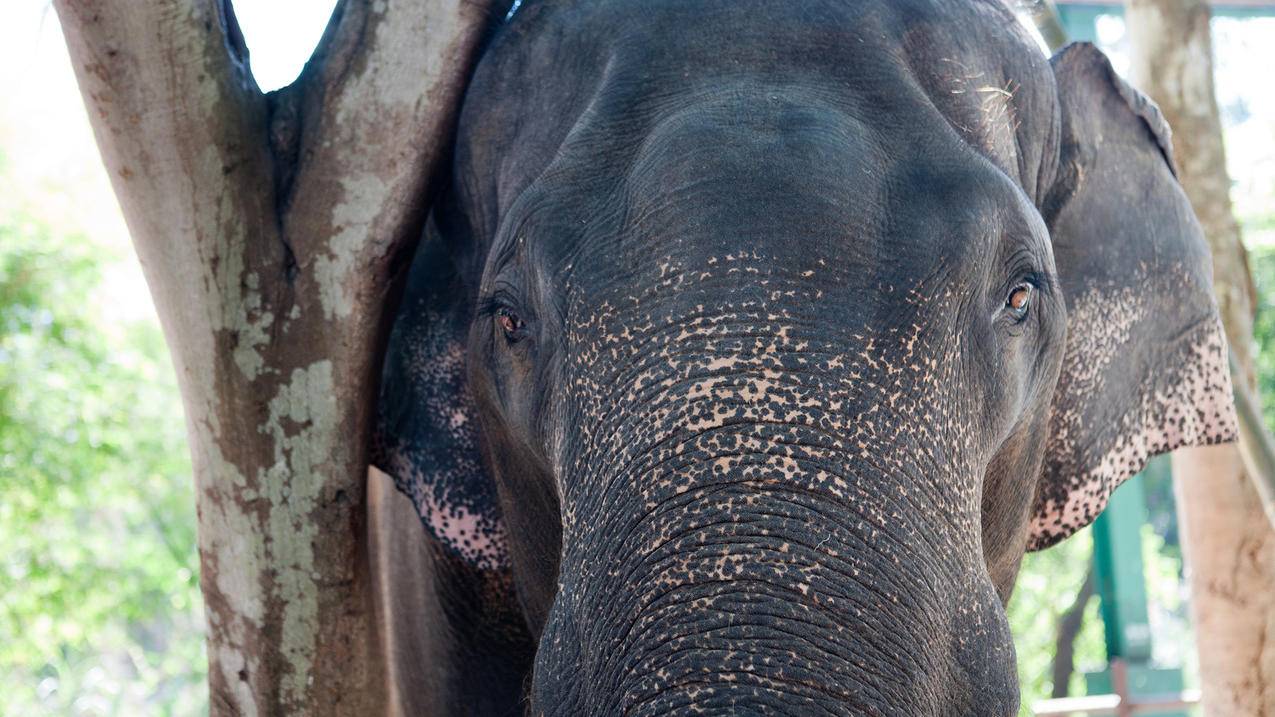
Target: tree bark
{"type": "Point", "coordinates": [1069, 625]}
{"type": "Point", "coordinates": [1228, 543]}
{"type": "Point", "coordinates": [273, 231]}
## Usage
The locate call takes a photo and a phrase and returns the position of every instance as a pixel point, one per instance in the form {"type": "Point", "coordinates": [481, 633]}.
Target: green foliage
{"type": "Point", "coordinates": [100, 610]}
{"type": "Point", "coordinates": [1173, 635]}
{"type": "Point", "coordinates": [1046, 587]}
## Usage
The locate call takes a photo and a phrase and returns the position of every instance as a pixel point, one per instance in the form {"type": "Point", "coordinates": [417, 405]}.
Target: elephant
{"type": "Point", "coordinates": [752, 344]}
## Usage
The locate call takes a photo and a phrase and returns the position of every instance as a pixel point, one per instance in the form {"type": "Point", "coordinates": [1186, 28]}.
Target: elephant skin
{"type": "Point", "coordinates": [753, 344]}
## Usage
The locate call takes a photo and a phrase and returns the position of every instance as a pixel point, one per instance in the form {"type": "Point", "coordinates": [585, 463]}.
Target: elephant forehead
{"type": "Point", "coordinates": [766, 170]}
{"type": "Point", "coordinates": [760, 167]}
{"type": "Point", "coordinates": [906, 67]}
{"type": "Point", "coordinates": [744, 126]}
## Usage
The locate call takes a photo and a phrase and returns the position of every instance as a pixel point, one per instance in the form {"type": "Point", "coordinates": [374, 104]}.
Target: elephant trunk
{"type": "Point", "coordinates": [767, 569]}
{"type": "Point", "coordinates": [768, 508]}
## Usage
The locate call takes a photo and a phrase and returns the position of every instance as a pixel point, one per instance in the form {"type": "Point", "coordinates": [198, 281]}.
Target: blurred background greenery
{"type": "Point", "coordinates": [100, 610]}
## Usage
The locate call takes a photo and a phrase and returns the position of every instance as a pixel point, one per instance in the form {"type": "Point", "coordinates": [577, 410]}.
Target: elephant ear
{"type": "Point", "coordinates": [426, 434]}
{"type": "Point", "coordinates": [1145, 367]}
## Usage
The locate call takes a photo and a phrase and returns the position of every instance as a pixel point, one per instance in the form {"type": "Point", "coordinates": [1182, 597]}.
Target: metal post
{"type": "Point", "coordinates": [1081, 21]}
{"type": "Point", "coordinates": [1118, 571]}
{"type": "Point", "coordinates": [1121, 586]}
{"type": "Point", "coordinates": [1120, 683]}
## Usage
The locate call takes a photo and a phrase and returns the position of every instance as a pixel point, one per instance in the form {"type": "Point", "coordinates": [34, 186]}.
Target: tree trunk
{"type": "Point", "coordinates": [1069, 625]}
{"type": "Point", "coordinates": [273, 232]}
{"type": "Point", "coordinates": [1228, 543]}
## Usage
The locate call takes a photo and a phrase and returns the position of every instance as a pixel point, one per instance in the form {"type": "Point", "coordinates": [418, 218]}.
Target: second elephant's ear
{"type": "Point", "coordinates": [1145, 367]}
{"type": "Point", "coordinates": [427, 435]}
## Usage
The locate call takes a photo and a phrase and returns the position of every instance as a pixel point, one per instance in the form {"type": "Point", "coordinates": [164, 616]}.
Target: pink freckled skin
{"type": "Point", "coordinates": [1190, 406]}
{"type": "Point", "coordinates": [476, 540]}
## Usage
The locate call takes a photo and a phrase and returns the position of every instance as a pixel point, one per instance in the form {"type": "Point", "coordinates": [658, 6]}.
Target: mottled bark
{"type": "Point", "coordinates": [272, 231]}
{"type": "Point", "coordinates": [1229, 545]}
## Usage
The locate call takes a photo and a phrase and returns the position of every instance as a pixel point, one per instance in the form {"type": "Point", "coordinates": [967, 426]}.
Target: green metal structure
{"type": "Point", "coordinates": [1080, 19]}
{"type": "Point", "coordinates": [1121, 587]}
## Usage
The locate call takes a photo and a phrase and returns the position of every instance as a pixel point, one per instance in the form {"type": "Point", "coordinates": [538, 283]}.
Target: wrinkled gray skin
{"type": "Point", "coordinates": [763, 426]}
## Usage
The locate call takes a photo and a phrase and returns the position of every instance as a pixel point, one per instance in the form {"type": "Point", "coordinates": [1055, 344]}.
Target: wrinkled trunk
{"type": "Point", "coordinates": [771, 522]}
{"type": "Point", "coordinates": [1228, 542]}
{"type": "Point", "coordinates": [783, 583]}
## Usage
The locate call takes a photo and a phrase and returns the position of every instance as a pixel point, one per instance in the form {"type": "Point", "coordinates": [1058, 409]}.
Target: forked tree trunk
{"type": "Point", "coordinates": [272, 231]}
{"type": "Point", "coordinates": [1228, 542]}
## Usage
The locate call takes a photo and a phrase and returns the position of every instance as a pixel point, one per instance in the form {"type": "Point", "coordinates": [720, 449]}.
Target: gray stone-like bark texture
{"type": "Point", "coordinates": [273, 231]}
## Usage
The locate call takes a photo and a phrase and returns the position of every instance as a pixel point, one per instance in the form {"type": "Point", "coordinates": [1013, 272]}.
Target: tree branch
{"type": "Point", "coordinates": [1069, 624]}
{"type": "Point", "coordinates": [377, 110]}
{"type": "Point", "coordinates": [181, 127]}
{"type": "Point", "coordinates": [175, 110]}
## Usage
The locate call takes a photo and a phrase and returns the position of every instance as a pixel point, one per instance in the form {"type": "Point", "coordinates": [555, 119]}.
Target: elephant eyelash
{"type": "Point", "coordinates": [1023, 271]}
{"type": "Point", "coordinates": [488, 306]}
{"type": "Point", "coordinates": [1040, 281]}
{"type": "Point", "coordinates": [491, 305]}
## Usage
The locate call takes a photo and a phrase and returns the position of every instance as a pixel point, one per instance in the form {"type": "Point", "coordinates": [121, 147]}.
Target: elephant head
{"type": "Point", "coordinates": [756, 342]}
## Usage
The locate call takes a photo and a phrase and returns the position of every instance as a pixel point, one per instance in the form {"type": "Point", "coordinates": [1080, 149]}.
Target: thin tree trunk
{"type": "Point", "coordinates": [1228, 543]}
{"type": "Point", "coordinates": [272, 231]}
{"type": "Point", "coordinates": [1069, 624]}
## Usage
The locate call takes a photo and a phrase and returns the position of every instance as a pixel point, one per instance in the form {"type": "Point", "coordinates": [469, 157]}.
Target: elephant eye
{"type": "Point", "coordinates": [510, 323]}
{"type": "Point", "coordinates": [1019, 300]}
